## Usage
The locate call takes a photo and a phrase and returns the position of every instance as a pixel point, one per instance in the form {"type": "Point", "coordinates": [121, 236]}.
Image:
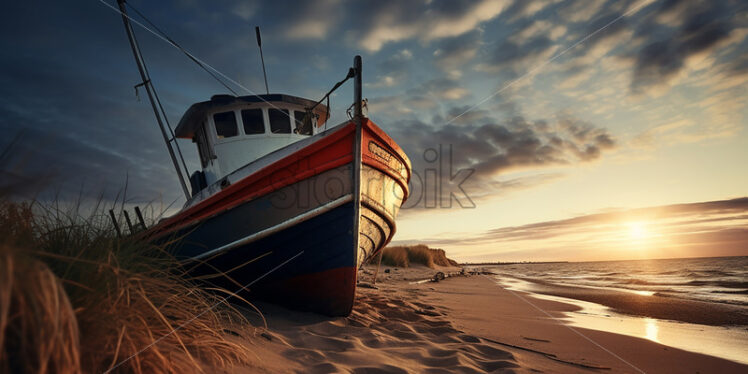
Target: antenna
{"type": "Point", "coordinates": [259, 44]}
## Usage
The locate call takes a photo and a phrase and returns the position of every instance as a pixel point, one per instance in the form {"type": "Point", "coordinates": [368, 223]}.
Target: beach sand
{"type": "Point", "coordinates": [459, 325]}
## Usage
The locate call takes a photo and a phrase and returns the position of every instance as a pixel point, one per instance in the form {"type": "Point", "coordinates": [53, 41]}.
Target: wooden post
{"type": "Point", "coordinates": [140, 218]}
{"type": "Point", "coordinates": [129, 223]}
{"type": "Point", "coordinates": [114, 222]}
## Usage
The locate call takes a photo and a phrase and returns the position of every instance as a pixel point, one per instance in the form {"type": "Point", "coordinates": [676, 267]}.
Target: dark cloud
{"type": "Point", "coordinates": [698, 27]}
{"type": "Point", "coordinates": [394, 68]}
{"type": "Point", "coordinates": [523, 9]}
{"type": "Point", "coordinates": [69, 76]}
{"type": "Point", "coordinates": [396, 62]}
{"type": "Point", "coordinates": [739, 66]}
{"type": "Point", "coordinates": [440, 89]}
{"type": "Point", "coordinates": [73, 138]}
{"type": "Point", "coordinates": [519, 57]}
{"type": "Point", "coordinates": [488, 149]}
{"type": "Point", "coordinates": [455, 52]}
{"type": "Point", "coordinates": [464, 115]}
{"type": "Point", "coordinates": [375, 24]}
{"type": "Point", "coordinates": [68, 114]}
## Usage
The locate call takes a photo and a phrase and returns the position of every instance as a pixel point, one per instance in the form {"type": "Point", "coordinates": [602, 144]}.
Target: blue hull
{"type": "Point", "coordinates": [275, 266]}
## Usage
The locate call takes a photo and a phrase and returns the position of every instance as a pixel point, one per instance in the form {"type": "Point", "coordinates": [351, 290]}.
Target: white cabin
{"type": "Point", "coordinates": [232, 131]}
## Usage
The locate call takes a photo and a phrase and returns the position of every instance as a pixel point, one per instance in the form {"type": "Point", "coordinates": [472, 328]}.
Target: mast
{"type": "Point", "coordinates": [149, 88]}
{"type": "Point", "coordinates": [358, 121]}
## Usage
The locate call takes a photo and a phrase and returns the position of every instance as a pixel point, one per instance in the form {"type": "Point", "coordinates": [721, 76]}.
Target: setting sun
{"type": "Point", "coordinates": [638, 230]}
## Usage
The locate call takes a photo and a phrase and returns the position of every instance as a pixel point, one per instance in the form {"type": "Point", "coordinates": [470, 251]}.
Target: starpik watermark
{"type": "Point", "coordinates": [435, 183]}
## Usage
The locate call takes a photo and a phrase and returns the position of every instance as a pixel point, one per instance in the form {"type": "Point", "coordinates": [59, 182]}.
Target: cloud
{"type": "Point", "coordinates": [526, 9]}
{"type": "Point", "coordinates": [704, 27]}
{"type": "Point", "coordinates": [245, 9]}
{"type": "Point", "coordinates": [441, 88]}
{"type": "Point", "coordinates": [453, 53]}
{"type": "Point", "coordinates": [393, 69]}
{"type": "Point", "coordinates": [314, 20]}
{"type": "Point", "coordinates": [608, 32]}
{"type": "Point", "coordinates": [71, 137]}
{"type": "Point", "coordinates": [712, 228]}
{"type": "Point", "coordinates": [489, 149]}
{"type": "Point", "coordinates": [518, 57]}
{"type": "Point", "coordinates": [392, 21]}
{"type": "Point", "coordinates": [579, 10]}
{"type": "Point", "coordinates": [536, 29]}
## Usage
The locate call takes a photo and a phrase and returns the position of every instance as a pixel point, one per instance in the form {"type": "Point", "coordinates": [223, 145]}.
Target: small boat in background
{"type": "Point", "coordinates": [282, 207]}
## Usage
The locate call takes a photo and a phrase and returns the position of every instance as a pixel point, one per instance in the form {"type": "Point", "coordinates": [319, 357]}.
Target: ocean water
{"type": "Point", "coordinates": [713, 279]}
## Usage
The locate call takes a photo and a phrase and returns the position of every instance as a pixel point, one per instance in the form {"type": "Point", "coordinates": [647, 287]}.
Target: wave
{"type": "Point", "coordinates": [688, 296]}
{"type": "Point", "coordinates": [721, 280]}
{"type": "Point", "coordinates": [719, 283]}
{"type": "Point", "coordinates": [738, 292]}
{"type": "Point", "coordinates": [693, 283]}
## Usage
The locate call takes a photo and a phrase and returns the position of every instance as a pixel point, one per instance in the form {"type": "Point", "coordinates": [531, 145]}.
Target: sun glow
{"type": "Point", "coordinates": [638, 230]}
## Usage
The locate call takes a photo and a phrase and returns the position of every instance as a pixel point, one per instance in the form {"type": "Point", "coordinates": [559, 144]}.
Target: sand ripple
{"type": "Point", "coordinates": [388, 334]}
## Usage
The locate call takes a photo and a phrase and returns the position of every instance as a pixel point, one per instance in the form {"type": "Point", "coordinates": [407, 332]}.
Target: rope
{"type": "Point", "coordinates": [351, 74]}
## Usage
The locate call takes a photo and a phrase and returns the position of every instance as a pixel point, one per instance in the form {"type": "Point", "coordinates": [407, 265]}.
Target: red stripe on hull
{"type": "Point", "coordinates": [329, 292]}
{"type": "Point", "coordinates": [372, 133]}
{"type": "Point", "coordinates": [325, 154]}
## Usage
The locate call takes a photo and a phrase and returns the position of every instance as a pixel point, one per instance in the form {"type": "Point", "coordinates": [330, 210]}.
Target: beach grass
{"type": "Point", "coordinates": [74, 297]}
{"type": "Point", "coordinates": [404, 256]}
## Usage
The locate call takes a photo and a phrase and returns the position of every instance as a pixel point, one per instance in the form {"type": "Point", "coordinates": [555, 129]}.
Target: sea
{"type": "Point", "coordinates": [712, 279]}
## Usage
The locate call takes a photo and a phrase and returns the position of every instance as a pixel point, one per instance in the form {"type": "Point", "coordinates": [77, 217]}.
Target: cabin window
{"type": "Point", "coordinates": [203, 148]}
{"type": "Point", "coordinates": [253, 121]}
{"type": "Point", "coordinates": [300, 126]}
{"type": "Point", "coordinates": [225, 125]}
{"type": "Point", "coordinates": [280, 121]}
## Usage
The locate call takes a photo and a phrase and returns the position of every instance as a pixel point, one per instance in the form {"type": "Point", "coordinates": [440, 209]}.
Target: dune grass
{"type": "Point", "coordinates": [75, 298]}
{"type": "Point", "coordinates": [404, 256]}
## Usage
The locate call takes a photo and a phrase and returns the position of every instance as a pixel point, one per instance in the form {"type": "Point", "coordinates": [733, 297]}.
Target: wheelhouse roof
{"type": "Point", "coordinates": [195, 115]}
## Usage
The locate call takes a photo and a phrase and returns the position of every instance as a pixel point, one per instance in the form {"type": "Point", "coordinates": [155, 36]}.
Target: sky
{"type": "Point", "coordinates": [559, 130]}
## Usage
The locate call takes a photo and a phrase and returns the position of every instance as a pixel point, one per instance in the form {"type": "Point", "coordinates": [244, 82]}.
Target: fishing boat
{"type": "Point", "coordinates": [283, 207]}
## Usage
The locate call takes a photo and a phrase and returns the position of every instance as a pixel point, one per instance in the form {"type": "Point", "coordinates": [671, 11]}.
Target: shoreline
{"type": "Point", "coordinates": [632, 303]}
{"type": "Point", "coordinates": [462, 324]}
{"type": "Point", "coordinates": [722, 341]}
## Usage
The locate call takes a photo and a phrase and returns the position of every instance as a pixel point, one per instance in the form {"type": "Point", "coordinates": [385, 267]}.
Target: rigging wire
{"type": "Point", "coordinates": [184, 50]}
{"type": "Point", "coordinates": [211, 70]}
{"type": "Point", "coordinates": [186, 53]}
{"type": "Point", "coordinates": [193, 57]}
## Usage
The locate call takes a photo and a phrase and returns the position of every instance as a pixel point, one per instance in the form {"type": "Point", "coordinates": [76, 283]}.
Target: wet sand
{"type": "Point", "coordinates": [459, 325]}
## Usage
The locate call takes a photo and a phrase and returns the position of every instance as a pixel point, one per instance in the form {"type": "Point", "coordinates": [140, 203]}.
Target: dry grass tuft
{"type": "Point", "coordinates": [403, 256]}
{"type": "Point", "coordinates": [395, 256]}
{"type": "Point", "coordinates": [74, 298]}
{"type": "Point", "coordinates": [37, 321]}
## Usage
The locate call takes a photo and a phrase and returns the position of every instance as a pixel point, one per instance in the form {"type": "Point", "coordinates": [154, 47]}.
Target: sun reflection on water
{"type": "Point", "coordinates": [643, 293]}
{"type": "Point", "coordinates": [651, 329]}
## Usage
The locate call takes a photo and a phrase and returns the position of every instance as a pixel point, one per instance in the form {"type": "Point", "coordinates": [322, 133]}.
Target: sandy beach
{"type": "Point", "coordinates": [460, 325]}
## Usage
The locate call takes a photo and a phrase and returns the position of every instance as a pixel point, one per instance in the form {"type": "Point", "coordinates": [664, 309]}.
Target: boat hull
{"type": "Point", "coordinates": [300, 241]}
